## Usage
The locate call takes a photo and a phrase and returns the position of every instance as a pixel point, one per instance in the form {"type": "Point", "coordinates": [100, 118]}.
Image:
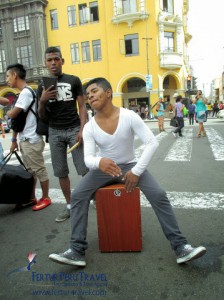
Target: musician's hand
{"type": "Point", "coordinates": [131, 181]}
{"type": "Point", "coordinates": [109, 167]}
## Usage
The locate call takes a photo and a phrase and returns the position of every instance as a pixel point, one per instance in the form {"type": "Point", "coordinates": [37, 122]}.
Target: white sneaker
{"type": "Point", "coordinates": [188, 253]}
{"type": "Point", "coordinates": [64, 215]}
{"type": "Point", "coordinates": [69, 258]}
{"type": "Point", "coordinates": [174, 134]}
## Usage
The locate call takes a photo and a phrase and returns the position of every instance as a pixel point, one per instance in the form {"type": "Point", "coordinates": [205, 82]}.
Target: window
{"type": "Point", "coordinates": [96, 50]}
{"type": "Point", "coordinates": [24, 56]}
{"type": "Point", "coordinates": [21, 24]}
{"type": "Point", "coordinates": [168, 41]}
{"type": "Point", "coordinates": [54, 19]}
{"type": "Point", "coordinates": [128, 6]}
{"type": "Point", "coordinates": [83, 19]}
{"type": "Point", "coordinates": [166, 82]}
{"type": "Point", "coordinates": [85, 52]}
{"type": "Point", "coordinates": [75, 53]}
{"type": "Point", "coordinates": [71, 16]}
{"type": "Point", "coordinates": [94, 15]}
{"type": "Point", "coordinates": [2, 61]}
{"type": "Point", "coordinates": [131, 44]}
{"type": "Point", "coordinates": [168, 6]}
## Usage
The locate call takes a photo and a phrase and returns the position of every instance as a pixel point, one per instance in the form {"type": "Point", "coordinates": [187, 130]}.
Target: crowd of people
{"type": "Point", "coordinates": [195, 110]}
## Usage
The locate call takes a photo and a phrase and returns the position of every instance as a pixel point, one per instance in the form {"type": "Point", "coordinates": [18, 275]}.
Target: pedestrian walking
{"type": "Point", "coordinates": [191, 112]}
{"type": "Point", "coordinates": [209, 108]}
{"type": "Point", "coordinates": [31, 144]}
{"type": "Point", "coordinates": [200, 103]}
{"type": "Point", "coordinates": [178, 114]}
{"type": "Point", "coordinates": [59, 107]}
{"type": "Point", "coordinates": [146, 112]}
{"type": "Point", "coordinates": [215, 108]}
{"type": "Point", "coordinates": [160, 114]}
{"type": "Point", "coordinates": [114, 129]}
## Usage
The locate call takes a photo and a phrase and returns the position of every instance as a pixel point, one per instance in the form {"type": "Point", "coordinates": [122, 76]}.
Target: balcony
{"type": "Point", "coordinates": [129, 18]}
{"type": "Point", "coordinates": [171, 60]}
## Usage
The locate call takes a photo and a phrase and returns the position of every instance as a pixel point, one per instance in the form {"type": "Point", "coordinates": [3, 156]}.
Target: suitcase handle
{"type": "Point", "coordinates": [20, 160]}
{"type": "Point", "coordinates": [7, 158]}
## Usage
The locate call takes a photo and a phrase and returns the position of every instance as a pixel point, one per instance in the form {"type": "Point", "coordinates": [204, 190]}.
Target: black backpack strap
{"type": "Point", "coordinates": [34, 99]}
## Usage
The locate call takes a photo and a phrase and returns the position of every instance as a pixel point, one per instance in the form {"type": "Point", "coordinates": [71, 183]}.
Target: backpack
{"type": "Point", "coordinates": [42, 126]}
{"type": "Point", "coordinates": [191, 109]}
{"type": "Point", "coordinates": [185, 111]}
{"type": "Point", "coordinates": [18, 123]}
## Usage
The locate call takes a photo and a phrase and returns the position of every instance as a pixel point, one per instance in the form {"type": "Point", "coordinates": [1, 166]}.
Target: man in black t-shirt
{"type": "Point", "coordinates": [59, 106]}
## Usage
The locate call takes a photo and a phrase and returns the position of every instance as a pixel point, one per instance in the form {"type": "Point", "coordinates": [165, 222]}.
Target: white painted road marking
{"type": "Point", "coordinates": [216, 143]}
{"type": "Point", "coordinates": [186, 200]}
{"type": "Point", "coordinates": [182, 147]}
{"type": "Point", "coordinates": [190, 200]}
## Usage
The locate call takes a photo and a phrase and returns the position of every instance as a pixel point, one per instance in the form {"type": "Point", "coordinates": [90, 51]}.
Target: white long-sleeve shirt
{"type": "Point", "coordinates": [119, 146]}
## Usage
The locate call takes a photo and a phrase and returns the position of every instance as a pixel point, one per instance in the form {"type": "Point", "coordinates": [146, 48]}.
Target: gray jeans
{"type": "Point", "coordinates": [59, 141]}
{"type": "Point", "coordinates": [96, 179]}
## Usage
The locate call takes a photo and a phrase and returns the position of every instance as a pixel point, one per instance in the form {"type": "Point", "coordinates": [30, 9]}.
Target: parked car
{"type": "Point", "coordinates": [220, 114]}
{"type": "Point", "coordinates": [5, 125]}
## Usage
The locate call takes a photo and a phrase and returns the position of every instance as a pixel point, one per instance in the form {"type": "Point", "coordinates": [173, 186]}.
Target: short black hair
{"type": "Point", "coordinates": [179, 97]}
{"type": "Point", "coordinates": [100, 81]}
{"type": "Point", "coordinates": [18, 69]}
{"type": "Point", "coordinates": [53, 50]}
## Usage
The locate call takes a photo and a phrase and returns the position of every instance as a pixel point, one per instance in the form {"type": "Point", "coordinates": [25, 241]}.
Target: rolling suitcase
{"type": "Point", "coordinates": [118, 219]}
{"type": "Point", "coordinates": [16, 183]}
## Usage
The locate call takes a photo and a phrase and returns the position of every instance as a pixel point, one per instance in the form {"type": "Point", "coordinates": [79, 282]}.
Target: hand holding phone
{"type": "Point", "coordinates": [49, 81]}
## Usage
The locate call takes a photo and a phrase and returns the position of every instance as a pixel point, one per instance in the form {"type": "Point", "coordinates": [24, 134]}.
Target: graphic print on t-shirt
{"type": "Point", "coordinates": [64, 92]}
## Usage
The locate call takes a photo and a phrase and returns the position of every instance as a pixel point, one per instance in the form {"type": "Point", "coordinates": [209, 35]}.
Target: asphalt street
{"type": "Point", "coordinates": [190, 170]}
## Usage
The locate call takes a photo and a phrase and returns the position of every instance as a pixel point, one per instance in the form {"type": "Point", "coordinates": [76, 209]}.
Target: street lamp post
{"type": "Point", "coordinates": [148, 76]}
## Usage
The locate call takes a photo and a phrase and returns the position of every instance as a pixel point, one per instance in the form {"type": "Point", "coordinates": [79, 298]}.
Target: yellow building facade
{"type": "Point", "coordinates": [124, 41]}
{"type": "Point", "coordinates": [140, 46]}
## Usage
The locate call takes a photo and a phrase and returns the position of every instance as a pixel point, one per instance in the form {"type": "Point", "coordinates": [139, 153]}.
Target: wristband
{"type": "Point", "coordinates": [13, 140]}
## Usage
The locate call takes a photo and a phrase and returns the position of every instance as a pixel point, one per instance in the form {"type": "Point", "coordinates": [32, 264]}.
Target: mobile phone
{"type": "Point", "coordinates": [49, 81]}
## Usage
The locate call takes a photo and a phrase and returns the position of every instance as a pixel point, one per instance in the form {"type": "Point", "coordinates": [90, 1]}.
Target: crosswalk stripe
{"type": "Point", "coordinates": [216, 143]}
{"type": "Point", "coordinates": [186, 200]}
{"type": "Point", "coordinates": [193, 200]}
{"type": "Point", "coordinates": [182, 148]}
